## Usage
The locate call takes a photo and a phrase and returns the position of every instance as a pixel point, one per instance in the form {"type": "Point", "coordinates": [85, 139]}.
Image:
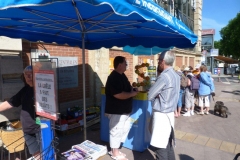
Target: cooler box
{"type": "Point", "coordinates": [47, 136]}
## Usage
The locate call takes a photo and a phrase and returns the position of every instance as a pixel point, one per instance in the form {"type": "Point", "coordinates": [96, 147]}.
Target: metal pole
{"type": "Point", "coordinates": [81, 23]}
{"type": "Point", "coordinates": [84, 92]}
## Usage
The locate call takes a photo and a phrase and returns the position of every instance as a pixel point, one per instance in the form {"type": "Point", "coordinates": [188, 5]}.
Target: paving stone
{"type": "Point", "coordinates": [202, 140]}
{"type": "Point", "coordinates": [179, 134]}
{"type": "Point", "coordinates": [214, 143]}
{"type": "Point", "coordinates": [227, 146]}
{"type": "Point", "coordinates": [237, 149]}
{"type": "Point", "coordinates": [189, 137]}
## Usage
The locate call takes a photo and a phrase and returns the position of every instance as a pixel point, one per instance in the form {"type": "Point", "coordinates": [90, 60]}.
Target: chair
{"type": "Point", "coordinates": [12, 140]}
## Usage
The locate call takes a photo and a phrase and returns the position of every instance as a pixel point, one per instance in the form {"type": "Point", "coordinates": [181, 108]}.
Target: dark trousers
{"type": "Point", "coordinates": [168, 152]}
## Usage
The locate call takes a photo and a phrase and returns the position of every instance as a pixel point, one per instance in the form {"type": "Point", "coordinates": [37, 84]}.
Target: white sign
{"type": "Point", "coordinates": [36, 53]}
{"type": "Point", "coordinates": [45, 94]}
{"type": "Point", "coordinates": [214, 52]}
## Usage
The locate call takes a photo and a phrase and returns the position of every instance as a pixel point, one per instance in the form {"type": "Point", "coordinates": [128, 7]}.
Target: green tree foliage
{"type": "Point", "coordinates": [230, 42]}
{"type": "Point", "coordinates": [217, 45]}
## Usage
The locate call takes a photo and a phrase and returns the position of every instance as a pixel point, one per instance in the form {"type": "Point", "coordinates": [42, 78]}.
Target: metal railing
{"type": "Point", "coordinates": [188, 21]}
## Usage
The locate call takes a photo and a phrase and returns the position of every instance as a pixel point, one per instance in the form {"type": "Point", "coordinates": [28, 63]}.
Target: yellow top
{"type": "Point", "coordinates": [195, 72]}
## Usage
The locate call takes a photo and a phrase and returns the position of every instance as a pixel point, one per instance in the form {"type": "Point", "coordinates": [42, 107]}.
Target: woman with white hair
{"type": "Point", "coordinates": [205, 89]}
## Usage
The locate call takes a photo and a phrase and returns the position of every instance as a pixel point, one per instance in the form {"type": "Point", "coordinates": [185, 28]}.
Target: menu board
{"type": "Point", "coordinates": [152, 73]}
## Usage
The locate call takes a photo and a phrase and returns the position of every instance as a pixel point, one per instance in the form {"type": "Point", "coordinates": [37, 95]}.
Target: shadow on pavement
{"type": "Point", "coordinates": [236, 92]}
{"type": "Point", "coordinates": [185, 157]}
{"type": "Point", "coordinates": [212, 112]}
{"type": "Point", "coordinates": [146, 155]}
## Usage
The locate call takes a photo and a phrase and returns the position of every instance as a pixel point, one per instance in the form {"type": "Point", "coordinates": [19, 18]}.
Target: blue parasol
{"type": "Point", "coordinates": [93, 24]}
{"type": "Point", "coordinates": [140, 50]}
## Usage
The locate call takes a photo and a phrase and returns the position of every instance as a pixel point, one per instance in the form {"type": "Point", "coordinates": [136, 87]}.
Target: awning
{"type": "Point", "coordinates": [226, 59]}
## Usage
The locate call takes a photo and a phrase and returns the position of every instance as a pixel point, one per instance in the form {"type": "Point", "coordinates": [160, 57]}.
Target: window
{"type": "Point", "coordinates": [207, 40]}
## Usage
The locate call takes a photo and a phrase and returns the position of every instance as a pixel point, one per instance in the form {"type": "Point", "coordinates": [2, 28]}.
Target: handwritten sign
{"type": "Point", "coordinates": [45, 94]}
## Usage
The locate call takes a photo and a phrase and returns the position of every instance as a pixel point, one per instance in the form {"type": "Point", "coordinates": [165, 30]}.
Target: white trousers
{"type": "Point", "coordinates": [206, 99]}
{"type": "Point", "coordinates": [119, 126]}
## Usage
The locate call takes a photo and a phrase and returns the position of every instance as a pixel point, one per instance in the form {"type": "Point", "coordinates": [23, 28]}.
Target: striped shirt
{"type": "Point", "coordinates": [164, 93]}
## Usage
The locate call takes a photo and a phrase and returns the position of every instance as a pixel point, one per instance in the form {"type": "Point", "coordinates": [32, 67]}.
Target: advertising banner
{"type": "Point", "coordinates": [68, 71]}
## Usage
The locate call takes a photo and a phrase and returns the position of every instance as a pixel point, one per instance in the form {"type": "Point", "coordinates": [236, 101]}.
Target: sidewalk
{"type": "Point", "coordinates": [207, 137]}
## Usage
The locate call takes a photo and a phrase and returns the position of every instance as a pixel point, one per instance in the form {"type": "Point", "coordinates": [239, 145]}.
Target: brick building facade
{"type": "Point", "coordinates": [97, 69]}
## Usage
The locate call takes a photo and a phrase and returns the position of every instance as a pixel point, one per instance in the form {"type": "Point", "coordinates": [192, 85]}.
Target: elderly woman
{"type": "Point", "coordinates": [205, 89]}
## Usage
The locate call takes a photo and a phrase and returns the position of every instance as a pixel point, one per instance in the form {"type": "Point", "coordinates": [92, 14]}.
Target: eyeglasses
{"type": "Point", "coordinates": [29, 75]}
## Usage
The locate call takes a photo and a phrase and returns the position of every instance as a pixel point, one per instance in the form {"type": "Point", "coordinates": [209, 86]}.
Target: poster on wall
{"type": "Point", "coordinates": [67, 72]}
{"type": "Point", "coordinates": [111, 67]}
{"type": "Point", "coordinates": [45, 96]}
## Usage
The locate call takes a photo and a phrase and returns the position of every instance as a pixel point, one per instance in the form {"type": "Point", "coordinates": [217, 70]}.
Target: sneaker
{"type": "Point", "coordinates": [200, 113]}
{"type": "Point", "coordinates": [187, 114]}
{"type": "Point", "coordinates": [192, 112]}
{"type": "Point", "coordinates": [206, 113]}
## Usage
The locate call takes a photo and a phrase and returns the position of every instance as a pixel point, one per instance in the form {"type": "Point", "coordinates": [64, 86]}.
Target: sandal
{"type": "Point", "coordinates": [119, 157]}
{"type": "Point", "coordinates": [121, 154]}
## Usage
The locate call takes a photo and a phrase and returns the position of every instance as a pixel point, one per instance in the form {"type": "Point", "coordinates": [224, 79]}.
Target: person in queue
{"type": "Point", "coordinates": [119, 93]}
{"type": "Point", "coordinates": [196, 72]}
{"type": "Point", "coordinates": [205, 89]}
{"type": "Point", "coordinates": [189, 94]}
{"type": "Point", "coordinates": [177, 112]}
{"type": "Point", "coordinates": [164, 96]}
{"type": "Point", "coordinates": [25, 98]}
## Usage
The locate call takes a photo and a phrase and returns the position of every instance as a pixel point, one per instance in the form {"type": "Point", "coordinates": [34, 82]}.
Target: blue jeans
{"type": "Point", "coordinates": [179, 105]}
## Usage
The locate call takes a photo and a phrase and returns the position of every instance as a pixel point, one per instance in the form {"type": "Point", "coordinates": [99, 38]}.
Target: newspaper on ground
{"type": "Point", "coordinates": [91, 149]}
{"type": "Point", "coordinates": [75, 154]}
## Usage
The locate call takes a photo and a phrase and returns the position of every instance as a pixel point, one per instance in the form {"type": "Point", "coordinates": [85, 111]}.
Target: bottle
{"type": "Point", "coordinates": [9, 127]}
{"type": "Point", "coordinates": [38, 121]}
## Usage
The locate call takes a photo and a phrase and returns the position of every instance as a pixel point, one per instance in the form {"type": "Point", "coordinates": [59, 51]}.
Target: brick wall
{"type": "Point", "coordinates": [68, 94]}
{"type": "Point", "coordinates": [129, 58]}
{"type": "Point", "coordinates": [191, 61]}
{"type": "Point", "coordinates": [179, 61]}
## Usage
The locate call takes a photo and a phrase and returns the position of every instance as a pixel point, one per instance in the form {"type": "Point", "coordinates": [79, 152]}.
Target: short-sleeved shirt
{"type": "Point", "coordinates": [117, 83]}
{"type": "Point", "coordinates": [25, 97]}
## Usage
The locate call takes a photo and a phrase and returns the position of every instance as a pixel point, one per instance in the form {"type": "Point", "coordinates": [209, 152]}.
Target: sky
{"type": "Point", "coordinates": [217, 13]}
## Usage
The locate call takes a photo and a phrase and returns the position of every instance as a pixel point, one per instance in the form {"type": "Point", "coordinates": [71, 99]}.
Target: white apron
{"type": "Point", "coordinates": [161, 129]}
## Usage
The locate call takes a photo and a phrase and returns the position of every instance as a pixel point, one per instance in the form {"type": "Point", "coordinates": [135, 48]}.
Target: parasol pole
{"type": "Point", "coordinates": [84, 89]}
{"type": "Point", "coordinates": [81, 23]}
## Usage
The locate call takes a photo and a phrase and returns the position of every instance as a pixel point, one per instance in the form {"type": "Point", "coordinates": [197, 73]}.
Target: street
{"type": "Point", "coordinates": [207, 137]}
